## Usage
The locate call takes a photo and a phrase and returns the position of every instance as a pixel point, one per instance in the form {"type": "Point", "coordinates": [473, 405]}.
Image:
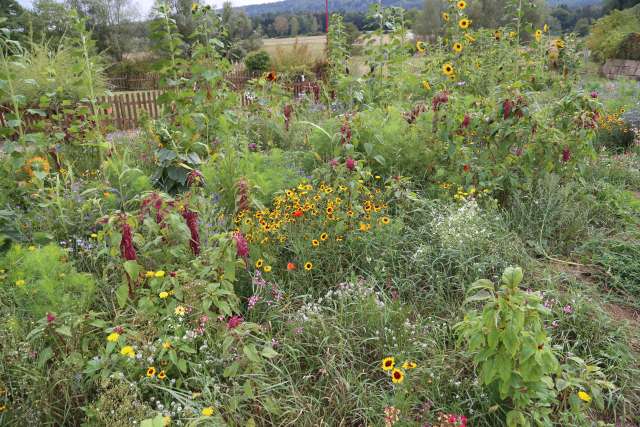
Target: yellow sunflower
{"type": "Point", "coordinates": [559, 44]}
{"type": "Point", "coordinates": [448, 70]}
{"type": "Point", "coordinates": [388, 363]}
{"type": "Point", "coordinates": [464, 23]}
{"type": "Point", "coordinates": [545, 28]}
{"type": "Point", "coordinates": [420, 46]}
{"type": "Point", "coordinates": [457, 47]}
{"type": "Point", "coordinates": [538, 35]}
{"type": "Point", "coordinates": [162, 375]}
{"type": "Point", "coordinates": [445, 16]}
{"type": "Point", "coordinates": [324, 236]}
{"type": "Point", "coordinates": [151, 372]}
{"type": "Point", "coordinates": [308, 266]}
{"type": "Point", "coordinates": [497, 34]}
{"type": "Point", "coordinates": [385, 220]}
{"type": "Point", "coordinates": [315, 243]}
{"type": "Point", "coordinates": [397, 376]}
{"type": "Point", "coordinates": [267, 269]}
{"type": "Point", "coordinates": [461, 4]}
{"type": "Point", "coordinates": [259, 263]}
{"type": "Point", "coordinates": [426, 85]}
{"type": "Point", "coordinates": [409, 365]}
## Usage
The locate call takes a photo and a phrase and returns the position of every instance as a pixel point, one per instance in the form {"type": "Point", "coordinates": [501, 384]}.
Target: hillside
{"type": "Point", "coordinates": [574, 3]}
{"type": "Point", "coordinates": [293, 6]}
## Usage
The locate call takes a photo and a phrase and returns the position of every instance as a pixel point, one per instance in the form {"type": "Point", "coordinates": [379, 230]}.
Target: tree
{"type": "Point", "coordinates": [108, 21]}
{"type": "Point", "coordinates": [294, 24]}
{"type": "Point", "coordinates": [281, 25]}
{"type": "Point", "coordinates": [15, 15]}
{"type": "Point", "coordinates": [428, 21]}
{"type": "Point", "coordinates": [582, 27]}
{"type": "Point", "coordinates": [50, 20]}
{"type": "Point", "coordinates": [610, 5]}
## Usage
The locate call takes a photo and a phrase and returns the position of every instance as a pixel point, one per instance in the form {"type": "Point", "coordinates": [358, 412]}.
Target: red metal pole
{"type": "Point", "coordinates": [326, 18]}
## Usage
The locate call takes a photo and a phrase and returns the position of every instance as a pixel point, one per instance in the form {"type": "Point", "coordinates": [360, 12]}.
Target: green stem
{"type": "Point", "coordinates": [12, 94]}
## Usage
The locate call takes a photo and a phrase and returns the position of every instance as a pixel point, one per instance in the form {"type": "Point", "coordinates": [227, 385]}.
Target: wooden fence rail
{"type": "Point", "coordinates": [124, 110]}
{"type": "Point", "coordinates": [151, 81]}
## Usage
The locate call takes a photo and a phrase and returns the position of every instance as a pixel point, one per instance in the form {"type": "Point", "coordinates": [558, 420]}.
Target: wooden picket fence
{"type": "Point", "coordinates": [237, 79]}
{"type": "Point", "coordinates": [125, 110]}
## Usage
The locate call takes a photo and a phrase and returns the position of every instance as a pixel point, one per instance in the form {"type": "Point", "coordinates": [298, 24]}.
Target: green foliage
{"type": "Point", "coordinates": [46, 70]}
{"type": "Point", "coordinates": [257, 62]}
{"type": "Point", "coordinates": [254, 264]}
{"type": "Point", "coordinates": [511, 348]}
{"type": "Point", "coordinates": [41, 280]}
{"type": "Point", "coordinates": [609, 32]}
{"type": "Point", "coordinates": [337, 49]}
{"type": "Point", "coordinates": [616, 257]}
{"type": "Point", "coordinates": [629, 47]}
{"type": "Point", "coordinates": [265, 173]}
{"type": "Point", "coordinates": [553, 217]}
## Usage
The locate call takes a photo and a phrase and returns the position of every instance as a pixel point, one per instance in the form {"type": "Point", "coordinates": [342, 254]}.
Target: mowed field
{"type": "Point", "coordinates": [282, 49]}
{"type": "Point", "coordinates": [316, 45]}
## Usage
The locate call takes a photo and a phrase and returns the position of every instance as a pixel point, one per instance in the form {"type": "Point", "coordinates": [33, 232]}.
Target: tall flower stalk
{"type": "Point", "coordinates": [10, 48]}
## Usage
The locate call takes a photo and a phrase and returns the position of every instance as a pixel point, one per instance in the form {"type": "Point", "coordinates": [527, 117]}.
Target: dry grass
{"type": "Point", "coordinates": [315, 45]}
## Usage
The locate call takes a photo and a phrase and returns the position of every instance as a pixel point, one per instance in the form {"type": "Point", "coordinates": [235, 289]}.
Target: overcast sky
{"type": "Point", "coordinates": [145, 5]}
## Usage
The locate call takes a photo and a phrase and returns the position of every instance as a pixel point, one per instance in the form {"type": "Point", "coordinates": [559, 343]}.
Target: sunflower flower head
{"type": "Point", "coordinates": [388, 363]}
{"type": "Point", "coordinates": [447, 69]}
{"type": "Point", "coordinates": [584, 396]}
{"type": "Point", "coordinates": [397, 376]}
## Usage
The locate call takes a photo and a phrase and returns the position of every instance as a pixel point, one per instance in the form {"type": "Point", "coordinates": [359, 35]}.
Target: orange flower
{"type": "Point", "coordinates": [291, 266]}
{"type": "Point", "coordinates": [37, 163]}
{"type": "Point", "coordinates": [272, 76]}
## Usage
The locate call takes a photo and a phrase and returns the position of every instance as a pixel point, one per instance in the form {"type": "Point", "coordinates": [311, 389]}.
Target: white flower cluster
{"type": "Point", "coordinates": [344, 292]}
{"type": "Point", "coordinates": [462, 227]}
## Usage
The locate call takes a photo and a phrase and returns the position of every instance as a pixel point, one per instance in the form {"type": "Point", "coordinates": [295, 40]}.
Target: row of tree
{"type": "Point", "coordinates": [119, 27]}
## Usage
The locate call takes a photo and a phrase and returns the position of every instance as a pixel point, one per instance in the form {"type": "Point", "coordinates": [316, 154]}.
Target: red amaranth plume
{"type": "Point", "coordinates": [507, 105]}
{"type": "Point", "coordinates": [566, 155]}
{"type": "Point", "coordinates": [288, 112]}
{"type": "Point", "coordinates": [345, 132]}
{"type": "Point", "coordinates": [126, 244]}
{"type": "Point", "coordinates": [466, 121]}
{"type": "Point", "coordinates": [350, 164]}
{"type": "Point", "coordinates": [195, 178]}
{"type": "Point", "coordinates": [242, 199]}
{"type": "Point", "coordinates": [153, 200]}
{"type": "Point", "coordinates": [242, 246]}
{"type": "Point", "coordinates": [192, 222]}
{"type": "Point", "coordinates": [440, 98]}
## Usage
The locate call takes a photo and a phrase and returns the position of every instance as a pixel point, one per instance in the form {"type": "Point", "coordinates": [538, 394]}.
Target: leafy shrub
{"type": "Point", "coordinates": [511, 347]}
{"type": "Point", "coordinates": [609, 32]}
{"type": "Point", "coordinates": [629, 47]}
{"type": "Point", "coordinates": [259, 61]}
{"type": "Point", "coordinates": [41, 280]}
{"type": "Point", "coordinates": [44, 70]}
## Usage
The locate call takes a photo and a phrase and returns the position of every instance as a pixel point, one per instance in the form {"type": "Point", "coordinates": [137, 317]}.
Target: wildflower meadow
{"type": "Point", "coordinates": [444, 234]}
